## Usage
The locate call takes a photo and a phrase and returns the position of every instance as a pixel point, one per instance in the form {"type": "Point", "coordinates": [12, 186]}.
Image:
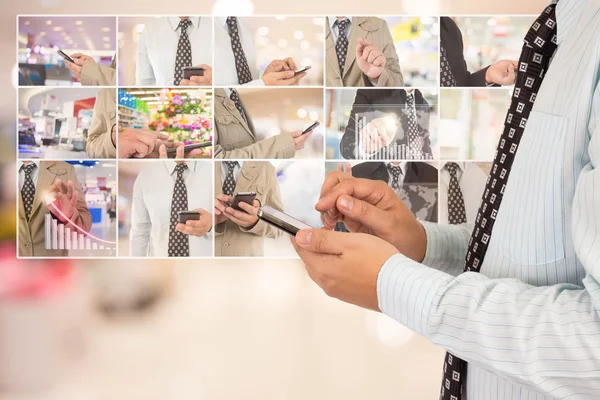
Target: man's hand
{"type": "Point", "coordinates": [221, 203]}
{"type": "Point", "coordinates": [370, 59]}
{"type": "Point", "coordinates": [502, 73]}
{"type": "Point", "coordinates": [344, 265]}
{"type": "Point", "coordinates": [281, 65]}
{"type": "Point", "coordinates": [300, 139]}
{"type": "Point", "coordinates": [65, 199]}
{"type": "Point", "coordinates": [77, 66]}
{"type": "Point", "coordinates": [199, 80]}
{"type": "Point", "coordinates": [372, 207]}
{"type": "Point", "coordinates": [345, 167]}
{"type": "Point", "coordinates": [375, 135]}
{"type": "Point", "coordinates": [246, 219]}
{"type": "Point", "coordinates": [199, 227]}
{"type": "Point", "coordinates": [140, 143]}
{"type": "Point", "coordinates": [283, 78]}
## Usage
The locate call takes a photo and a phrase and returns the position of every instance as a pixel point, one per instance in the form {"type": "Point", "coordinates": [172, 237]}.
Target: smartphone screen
{"type": "Point", "coordinates": [281, 219]}
{"type": "Point", "coordinates": [302, 70]}
{"type": "Point", "coordinates": [65, 56]}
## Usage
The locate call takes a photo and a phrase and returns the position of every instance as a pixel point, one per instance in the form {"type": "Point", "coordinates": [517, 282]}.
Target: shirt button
{"type": "Point", "coordinates": [226, 244]}
{"type": "Point", "coordinates": [27, 244]}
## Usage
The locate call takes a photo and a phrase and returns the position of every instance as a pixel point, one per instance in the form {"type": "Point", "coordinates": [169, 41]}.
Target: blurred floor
{"type": "Point", "coordinates": [251, 330]}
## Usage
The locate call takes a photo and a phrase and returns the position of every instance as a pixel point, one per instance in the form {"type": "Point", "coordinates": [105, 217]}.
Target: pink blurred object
{"type": "Point", "coordinates": [42, 310]}
{"type": "Point", "coordinates": [21, 279]}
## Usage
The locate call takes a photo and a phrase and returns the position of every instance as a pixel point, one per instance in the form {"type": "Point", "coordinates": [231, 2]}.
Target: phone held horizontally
{"type": "Point", "coordinates": [172, 151]}
{"type": "Point", "coordinates": [185, 216]}
{"type": "Point", "coordinates": [243, 197]}
{"type": "Point", "coordinates": [188, 72]}
{"type": "Point", "coordinates": [302, 70]}
{"type": "Point", "coordinates": [281, 220]}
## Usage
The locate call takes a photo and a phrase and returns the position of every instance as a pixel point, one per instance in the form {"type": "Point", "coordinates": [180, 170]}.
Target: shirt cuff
{"type": "Point", "coordinates": [406, 291]}
{"type": "Point", "coordinates": [447, 247]}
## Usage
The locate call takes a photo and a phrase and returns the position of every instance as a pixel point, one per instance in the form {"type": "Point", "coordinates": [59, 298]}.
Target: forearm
{"type": "Point", "coordinates": [100, 143]}
{"type": "Point", "coordinates": [542, 337]}
{"type": "Point", "coordinates": [278, 147]}
{"type": "Point", "coordinates": [263, 229]}
{"type": "Point", "coordinates": [94, 74]}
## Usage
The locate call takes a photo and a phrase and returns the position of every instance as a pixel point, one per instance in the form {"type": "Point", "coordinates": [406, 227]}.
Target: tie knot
{"type": "Point", "coordinates": [396, 170]}
{"type": "Point", "coordinates": [233, 95]}
{"type": "Point", "coordinates": [452, 168]}
{"type": "Point", "coordinates": [410, 99]}
{"type": "Point", "coordinates": [232, 22]}
{"type": "Point", "coordinates": [28, 168]}
{"type": "Point", "coordinates": [342, 24]}
{"type": "Point", "coordinates": [179, 168]}
{"type": "Point", "coordinates": [184, 24]}
{"type": "Point", "coordinates": [231, 165]}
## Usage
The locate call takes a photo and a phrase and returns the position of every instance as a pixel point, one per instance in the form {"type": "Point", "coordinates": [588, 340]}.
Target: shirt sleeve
{"type": "Point", "coordinates": [140, 221]}
{"type": "Point", "coordinates": [144, 74]}
{"type": "Point", "coordinates": [546, 338]}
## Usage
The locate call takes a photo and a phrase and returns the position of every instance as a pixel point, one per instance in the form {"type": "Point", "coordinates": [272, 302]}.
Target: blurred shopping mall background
{"type": "Point", "coordinates": [221, 330]}
{"type": "Point", "coordinates": [40, 37]}
{"type": "Point", "coordinates": [472, 121]}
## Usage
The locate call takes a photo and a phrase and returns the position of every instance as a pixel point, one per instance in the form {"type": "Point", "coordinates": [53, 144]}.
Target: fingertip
{"type": "Point", "coordinates": [303, 237]}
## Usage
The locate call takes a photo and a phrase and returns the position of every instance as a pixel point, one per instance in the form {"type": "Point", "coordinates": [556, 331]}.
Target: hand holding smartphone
{"type": "Point", "coordinates": [311, 128]}
{"type": "Point", "coordinates": [185, 216]}
{"type": "Point", "coordinates": [302, 70]}
{"type": "Point", "coordinates": [188, 72]}
{"type": "Point", "coordinates": [172, 151]}
{"type": "Point", "coordinates": [243, 197]}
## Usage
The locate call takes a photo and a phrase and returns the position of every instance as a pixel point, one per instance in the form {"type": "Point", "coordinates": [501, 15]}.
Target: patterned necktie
{"type": "Point", "coordinates": [179, 244]}
{"type": "Point", "coordinates": [457, 213]}
{"type": "Point", "coordinates": [28, 190]}
{"type": "Point", "coordinates": [540, 45]}
{"type": "Point", "coordinates": [184, 51]}
{"type": "Point", "coordinates": [396, 171]}
{"type": "Point", "coordinates": [229, 183]}
{"type": "Point", "coordinates": [241, 63]}
{"type": "Point", "coordinates": [341, 47]}
{"type": "Point", "coordinates": [446, 75]}
{"type": "Point", "coordinates": [235, 97]}
{"type": "Point", "coordinates": [415, 142]}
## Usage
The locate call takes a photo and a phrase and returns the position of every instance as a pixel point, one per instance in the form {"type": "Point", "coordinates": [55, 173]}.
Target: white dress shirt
{"type": "Point", "coordinates": [157, 49]}
{"type": "Point", "coordinates": [529, 323]}
{"type": "Point", "coordinates": [34, 174]}
{"type": "Point", "coordinates": [151, 207]}
{"type": "Point", "coordinates": [236, 171]}
{"type": "Point", "coordinates": [471, 180]}
{"type": "Point", "coordinates": [225, 73]}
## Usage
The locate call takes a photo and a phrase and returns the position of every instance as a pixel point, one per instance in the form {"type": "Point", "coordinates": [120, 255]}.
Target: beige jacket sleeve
{"type": "Point", "coordinates": [276, 147]}
{"type": "Point", "coordinates": [99, 141]}
{"type": "Point", "coordinates": [94, 74]}
{"type": "Point", "coordinates": [391, 75]}
{"type": "Point", "coordinates": [81, 216]}
{"type": "Point", "coordinates": [272, 197]}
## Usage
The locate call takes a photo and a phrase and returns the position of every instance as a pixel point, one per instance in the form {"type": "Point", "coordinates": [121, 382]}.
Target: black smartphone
{"type": "Point", "coordinates": [281, 220]}
{"type": "Point", "coordinates": [302, 70]}
{"type": "Point", "coordinates": [185, 216]}
{"type": "Point", "coordinates": [242, 197]}
{"type": "Point", "coordinates": [311, 128]}
{"type": "Point", "coordinates": [188, 72]}
{"type": "Point", "coordinates": [172, 151]}
{"type": "Point", "coordinates": [65, 56]}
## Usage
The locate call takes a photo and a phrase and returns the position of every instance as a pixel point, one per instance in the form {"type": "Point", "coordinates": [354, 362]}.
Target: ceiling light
{"type": "Point", "coordinates": [263, 30]}
{"type": "Point", "coordinates": [106, 39]}
{"type": "Point", "coordinates": [106, 45]}
{"type": "Point", "coordinates": [79, 22]}
{"type": "Point", "coordinates": [302, 113]}
{"type": "Point", "coordinates": [314, 115]}
{"type": "Point", "coordinates": [27, 22]}
{"type": "Point", "coordinates": [42, 33]}
{"type": "Point", "coordinates": [49, 22]}
{"type": "Point", "coordinates": [318, 21]}
{"type": "Point", "coordinates": [57, 28]}
{"type": "Point", "coordinates": [299, 35]}
{"type": "Point", "coordinates": [106, 29]}
{"type": "Point", "coordinates": [280, 18]}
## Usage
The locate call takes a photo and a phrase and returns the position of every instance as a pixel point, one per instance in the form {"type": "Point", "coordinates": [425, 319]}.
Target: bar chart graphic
{"type": "Point", "coordinates": [61, 237]}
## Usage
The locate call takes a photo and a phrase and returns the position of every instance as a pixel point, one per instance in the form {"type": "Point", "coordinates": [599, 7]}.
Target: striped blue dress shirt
{"type": "Point", "coordinates": [529, 323]}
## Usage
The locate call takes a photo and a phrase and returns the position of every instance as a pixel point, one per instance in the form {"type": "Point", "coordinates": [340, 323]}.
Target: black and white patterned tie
{"type": "Point", "coordinates": [179, 244]}
{"type": "Point", "coordinates": [229, 183]}
{"type": "Point", "coordinates": [415, 142]}
{"type": "Point", "coordinates": [396, 171]}
{"type": "Point", "coordinates": [446, 76]}
{"type": "Point", "coordinates": [241, 62]}
{"type": "Point", "coordinates": [540, 45]}
{"type": "Point", "coordinates": [28, 190]}
{"type": "Point", "coordinates": [183, 58]}
{"type": "Point", "coordinates": [235, 97]}
{"type": "Point", "coordinates": [457, 213]}
{"type": "Point", "coordinates": [341, 47]}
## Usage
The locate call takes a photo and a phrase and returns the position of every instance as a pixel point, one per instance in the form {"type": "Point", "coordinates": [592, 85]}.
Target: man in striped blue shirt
{"type": "Point", "coordinates": [529, 323]}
